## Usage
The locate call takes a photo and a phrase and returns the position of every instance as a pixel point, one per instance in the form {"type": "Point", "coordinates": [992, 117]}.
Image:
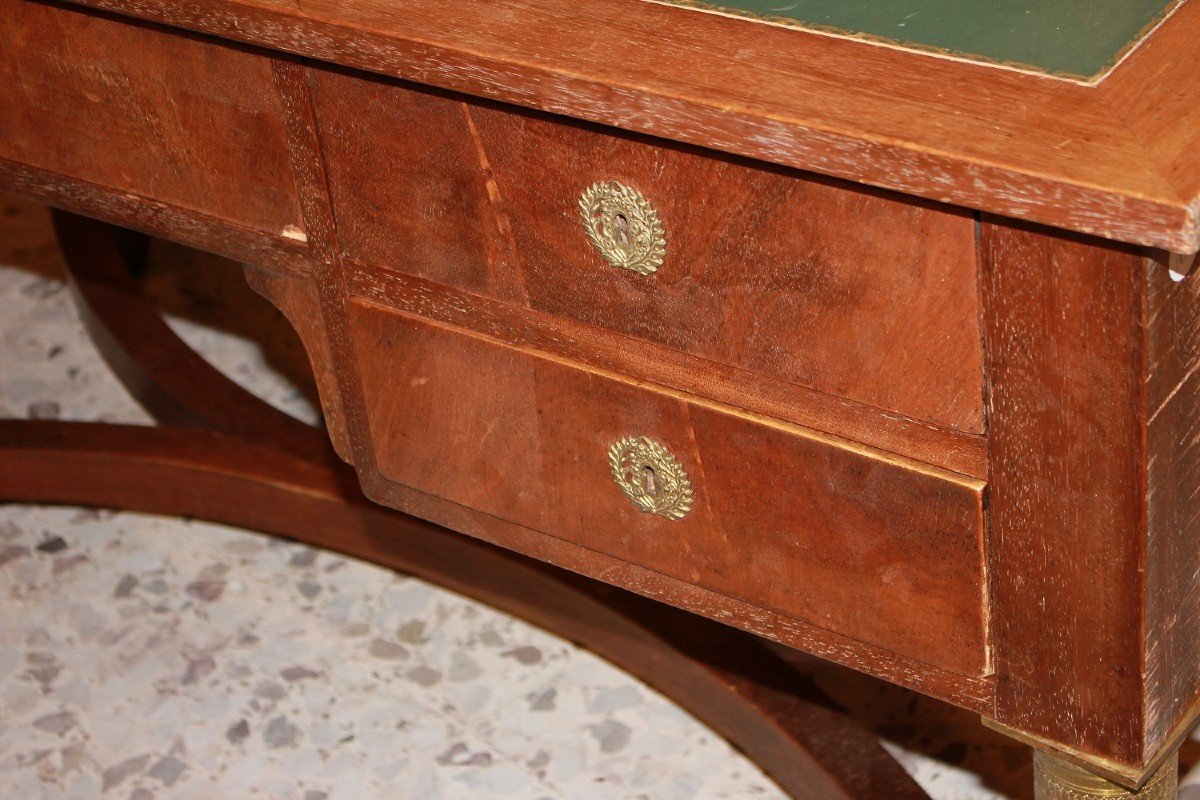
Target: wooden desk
{"type": "Point", "coordinates": [865, 341]}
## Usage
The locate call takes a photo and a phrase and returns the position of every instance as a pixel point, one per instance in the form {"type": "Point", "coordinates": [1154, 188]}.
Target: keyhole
{"type": "Point", "coordinates": [649, 478]}
{"type": "Point", "coordinates": [622, 230]}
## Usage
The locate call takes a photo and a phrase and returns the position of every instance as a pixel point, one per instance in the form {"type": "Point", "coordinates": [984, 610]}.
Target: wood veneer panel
{"type": "Point", "coordinates": [1092, 357]}
{"type": "Point", "coordinates": [853, 293]}
{"type": "Point", "coordinates": [875, 549]}
{"type": "Point", "coordinates": [299, 301]}
{"type": "Point", "coordinates": [1064, 337]}
{"type": "Point", "coordinates": [861, 295]}
{"type": "Point", "coordinates": [1015, 144]}
{"type": "Point", "coordinates": [168, 117]}
{"type": "Point", "coordinates": [1172, 504]}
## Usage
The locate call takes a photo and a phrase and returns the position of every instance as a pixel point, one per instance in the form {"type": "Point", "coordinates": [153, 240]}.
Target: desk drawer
{"type": "Point", "coordinates": [875, 548]}
{"type": "Point", "coordinates": [134, 110]}
{"type": "Point", "coordinates": [854, 293]}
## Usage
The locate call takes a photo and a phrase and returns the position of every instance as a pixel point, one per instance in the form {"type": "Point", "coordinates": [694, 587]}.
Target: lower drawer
{"type": "Point", "coordinates": [873, 547]}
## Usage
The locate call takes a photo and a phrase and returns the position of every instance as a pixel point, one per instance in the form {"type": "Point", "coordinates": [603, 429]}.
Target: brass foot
{"type": "Point", "coordinates": [1055, 779]}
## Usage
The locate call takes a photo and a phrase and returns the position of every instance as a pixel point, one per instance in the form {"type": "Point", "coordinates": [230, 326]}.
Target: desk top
{"type": "Point", "coordinates": [1080, 39]}
{"type": "Point", "coordinates": [1118, 157]}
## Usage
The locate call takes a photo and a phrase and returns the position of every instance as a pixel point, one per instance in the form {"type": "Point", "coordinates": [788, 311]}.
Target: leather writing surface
{"type": "Point", "coordinates": [1073, 38]}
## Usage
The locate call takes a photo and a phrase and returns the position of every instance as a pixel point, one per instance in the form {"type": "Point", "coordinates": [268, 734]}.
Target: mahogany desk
{"type": "Point", "coordinates": [863, 327]}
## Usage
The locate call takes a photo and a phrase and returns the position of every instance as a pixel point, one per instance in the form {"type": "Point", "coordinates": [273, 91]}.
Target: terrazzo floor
{"type": "Point", "coordinates": [151, 658]}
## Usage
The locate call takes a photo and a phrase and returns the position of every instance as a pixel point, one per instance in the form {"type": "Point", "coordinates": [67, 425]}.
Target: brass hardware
{"type": "Point", "coordinates": [623, 226]}
{"type": "Point", "coordinates": [1055, 779]}
{"type": "Point", "coordinates": [651, 477]}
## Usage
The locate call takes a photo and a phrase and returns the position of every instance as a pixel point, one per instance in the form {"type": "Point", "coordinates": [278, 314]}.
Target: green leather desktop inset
{"type": "Point", "coordinates": [1075, 38]}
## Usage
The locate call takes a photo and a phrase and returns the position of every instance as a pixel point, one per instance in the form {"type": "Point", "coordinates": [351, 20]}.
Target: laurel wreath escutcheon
{"type": "Point", "coordinates": [651, 477]}
{"type": "Point", "coordinates": [623, 226]}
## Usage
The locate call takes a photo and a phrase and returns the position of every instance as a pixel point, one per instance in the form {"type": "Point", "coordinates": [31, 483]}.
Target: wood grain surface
{"type": "Point", "coordinates": [299, 300]}
{"type": "Point", "coordinates": [172, 118]}
{"type": "Point", "coordinates": [1118, 160]}
{"type": "Point", "coordinates": [879, 550]}
{"type": "Point", "coordinates": [856, 294]}
{"type": "Point", "coordinates": [1092, 433]}
{"type": "Point", "coordinates": [1063, 327]}
{"type": "Point", "coordinates": [1172, 666]}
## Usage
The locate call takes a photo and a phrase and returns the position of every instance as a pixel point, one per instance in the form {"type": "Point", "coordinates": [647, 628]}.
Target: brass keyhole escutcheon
{"type": "Point", "coordinates": [651, 477]}
{"type": "Point", "coordinates": [623, 226]}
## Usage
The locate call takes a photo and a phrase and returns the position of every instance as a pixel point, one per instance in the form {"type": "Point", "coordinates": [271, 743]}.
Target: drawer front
{"type": "Point", "coordinates": [854, 293]}
{"type": "Point", "coordinates": [881, 550]}
{"type": "Point", "coordinates": [126, 107]}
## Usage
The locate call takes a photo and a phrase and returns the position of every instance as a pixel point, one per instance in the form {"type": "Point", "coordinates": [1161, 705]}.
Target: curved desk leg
{"type": "Point", "coordinates": [227, 457]}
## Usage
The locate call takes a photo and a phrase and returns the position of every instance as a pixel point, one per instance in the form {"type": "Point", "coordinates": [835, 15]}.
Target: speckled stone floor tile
{"type": "Point", "coordinates": [150, 658]}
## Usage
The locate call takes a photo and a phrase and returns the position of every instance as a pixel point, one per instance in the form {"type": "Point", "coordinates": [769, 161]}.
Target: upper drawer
{"type": "Point", "coordinates": [850, 292]}
{"type": "Point", "coordinates": [124, 106]}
